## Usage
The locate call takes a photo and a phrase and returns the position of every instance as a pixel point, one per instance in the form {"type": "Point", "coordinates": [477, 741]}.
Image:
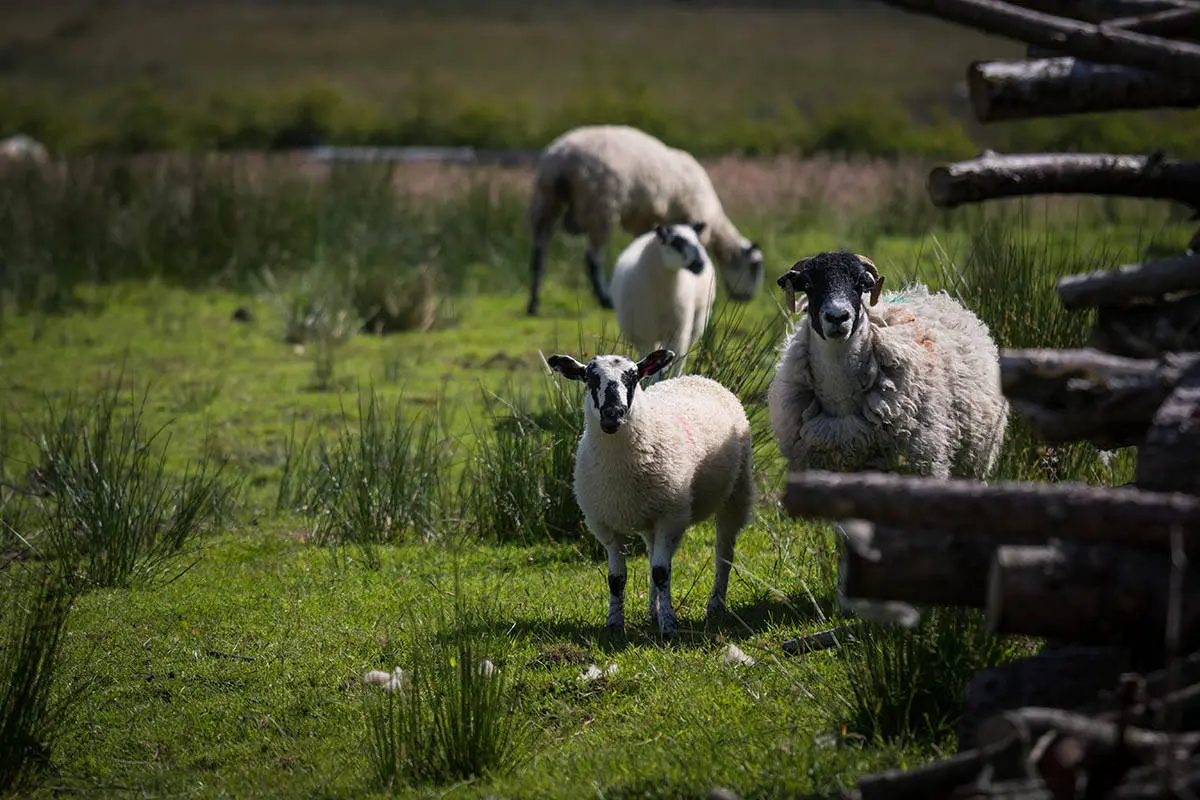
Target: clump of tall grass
{"type": "Point", "coordinates": [377, 482]}
{"type": "Point", "coordinates": [452, 719]}
{"type": "Point", "coordinates": [114, 515]}
{"type": "Point", "coordinates": [33, 621]}
{"type": "Point", "coordinates": [522, 469]}
{"type": "Point", "coordinates": [739, 350]}
{"type": "Point", "coordinates": [907, 684]}
{"type": "Point", "coordinates": [1007, 276]}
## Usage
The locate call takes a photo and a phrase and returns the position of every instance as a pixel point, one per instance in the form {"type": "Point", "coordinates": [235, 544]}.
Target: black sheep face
{"type": "Point", "coordinates": [611, 381]}
{"type": "Point", "coordinates": [834, 283]}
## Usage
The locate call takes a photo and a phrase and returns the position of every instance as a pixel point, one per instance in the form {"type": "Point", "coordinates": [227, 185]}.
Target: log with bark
{"type": "Point", "coordinates": [1088, 595]}
{"type": "Point", "coordinates": [1127, 285]}
{"type": "Point", "coordinates": [1169, 461]}
{"type": "Point", "coordinates": [1068, 510]}
{"type": "Point", "coordinates": [1051, 87]}
{"type": "Point", "coordinates": [925, 567]}
{"type": "Point", "coordinates": [1171, 58]}
{"type": "Point", "coordinates": [1149, 330]}
{"type": "Point", "coordinates": [991, 176]}
{"type": "Point", "coordinates": [1105, 10]}
{"type": "Point", "coordinates": [1072, 395]}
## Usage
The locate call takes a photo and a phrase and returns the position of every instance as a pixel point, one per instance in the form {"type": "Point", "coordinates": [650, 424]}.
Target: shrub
{"type": "Point", "coordinates": [33, 619]}
{"type": "Point", "coordinates": [452, 718]}
{"type": "Point", "coordinates": [907, 684]}
{"type": "Point", "coordinates": [375, 485]}
{"type": "Point", "coordinates": [114, 516]}
{"type": "Point", "coordinates": [523, 465]}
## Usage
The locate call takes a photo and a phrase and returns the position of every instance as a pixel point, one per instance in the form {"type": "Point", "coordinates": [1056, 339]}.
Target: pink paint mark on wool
{"type": "Point", "coordinates": [687, 427]}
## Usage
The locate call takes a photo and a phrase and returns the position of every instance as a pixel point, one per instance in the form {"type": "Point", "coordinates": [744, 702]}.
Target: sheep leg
{"type": "Point", "coordinates": [537, 261]}
{"type": "Point", "coordinates": [652, 615]}
{"type": "Point", "coordinates": [666, 542]}
{"type": "Point", "coordinates": [596, 249]}
{"type": "Point", "coordinates": [731, 518]}
{"type": "Point", "coordinates": [616, 587]}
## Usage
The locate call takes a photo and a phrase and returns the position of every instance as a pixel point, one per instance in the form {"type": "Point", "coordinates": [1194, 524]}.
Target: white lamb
{"type": "Point", "coordinates": [655, 462]}
{"type": "Point", "coordinates": [911, 385]}
{"type": "Point", "coordinates": [598, 176]}
{"type": "Point", "coordinates": [663, 287]}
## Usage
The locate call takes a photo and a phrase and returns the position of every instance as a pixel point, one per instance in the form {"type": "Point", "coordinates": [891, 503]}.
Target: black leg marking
{"type": "Point", "coordinates": [536, 266]}
{"type": "Point", "coordinates": [595, 273]}
{"type": "Point", "coordinates": [660, 576]}
{"type": "Point", "coordinates": [616, 585]}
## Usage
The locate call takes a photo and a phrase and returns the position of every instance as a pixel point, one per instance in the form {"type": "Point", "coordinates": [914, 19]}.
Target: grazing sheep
{"type": "Point", "coordinates": [911, 385]}
{"type": "Point", "coordinates": [597, 176]}
{"type": "Point", "coordinates": [663, 287]}
{"type": "Point", "coordinates": [655, 462]}
{"type": "Point", "coordinates": [20, 147]}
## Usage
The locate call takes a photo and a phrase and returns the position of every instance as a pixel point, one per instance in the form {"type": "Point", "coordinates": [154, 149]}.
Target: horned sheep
{"type": "Point", "coordinates": [909, 383]}
{"type": "Point", "coordinates": [655, 462]}
{"type": "Point", "coordinates": [663, 288]}
{"type": "Point", "coordinates": [597, 176]}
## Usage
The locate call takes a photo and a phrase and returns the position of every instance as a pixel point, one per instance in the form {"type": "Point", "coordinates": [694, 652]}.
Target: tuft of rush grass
{"type": "Point", "coordinates": [521, 485]}
{"type": "Point", "coordinates": [449, 716]}
{"type": "Point", "coordinates": [907, 684]}
{"type": "Point", "coordinates": [377, 483]}
{"type": "Point", "coordinates": [114, 516]}
{"type": "Point", "coordinates": [33, 621]}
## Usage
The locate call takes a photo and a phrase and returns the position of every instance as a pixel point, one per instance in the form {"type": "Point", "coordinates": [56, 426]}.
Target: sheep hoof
{"type": "Point", "coordinates": [668, 626]}
{"type": "Point", "coordinates": [715, 611]}
{"type": "Point", "coordinates": [615, 627]}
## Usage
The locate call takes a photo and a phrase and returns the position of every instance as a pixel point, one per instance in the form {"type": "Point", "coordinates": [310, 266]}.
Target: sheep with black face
{"type": "Point", "coordinates": [663, 288]}
{"type": "Point", "coordinates": [908, 382]}
{"type": "Point", "coordinates": [654, 462]}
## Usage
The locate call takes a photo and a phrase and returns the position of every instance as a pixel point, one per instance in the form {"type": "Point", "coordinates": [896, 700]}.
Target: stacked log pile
{"type": "Point", "coordinates": [1111, 706]}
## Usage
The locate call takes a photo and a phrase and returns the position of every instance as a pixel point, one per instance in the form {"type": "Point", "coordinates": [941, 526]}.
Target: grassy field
{"type": "Point", "coordinates": [222, 604]}
{"type": "Point", "coordinates": [850, 76]}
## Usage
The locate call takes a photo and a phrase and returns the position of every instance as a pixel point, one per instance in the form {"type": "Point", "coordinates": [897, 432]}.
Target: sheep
{"type": "Point", "coordinates": [23, 148]}
{"type": "Point", "coordinates": [597, 176]}
{"type": "Point", "coordinates": [911, 385]}
{"type": "Point", "coordinates": [656, 462]}
{"type": "Point", "coordinates": [663, 287]}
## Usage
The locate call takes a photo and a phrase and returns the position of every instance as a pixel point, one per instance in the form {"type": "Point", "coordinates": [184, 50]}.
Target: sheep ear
{"type": "Point", "coordinates": [567, 367]}
{"type": "Point", "coordinates": [661, 232]}
{"type": "Point", "coordinates": [654, 362]}
{"type": "Point", "coordinates": [700, 227]}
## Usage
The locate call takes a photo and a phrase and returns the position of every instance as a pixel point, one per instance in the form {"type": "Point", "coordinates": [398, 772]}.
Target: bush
{"type": "Point", "coordinates": [907, 685]}
{"type": "Point", "coordinates": [451, 718]}
{"type": "Point", "coordinates": [33, 619]}
{"type": "Point", "coordinates": [375, 485]}
{"type": "Point", "coordinates": [114, 516]}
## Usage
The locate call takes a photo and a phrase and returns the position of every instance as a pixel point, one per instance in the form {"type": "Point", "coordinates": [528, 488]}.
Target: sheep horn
{"type": "Point", "coordinates": [871, 268]}
{"type": "Point", "coordinates": [785, 282]}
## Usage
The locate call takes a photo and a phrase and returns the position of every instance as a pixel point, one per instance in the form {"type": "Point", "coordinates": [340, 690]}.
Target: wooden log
{"type": "Point", "coordinates": [1104, 10]}
{"type": "Point", "coordinates": [922, 567]}
{"type": "Point", "coordinates": [992, 176]}
{"type": "Point", "coordinates": [1126, 285]}
{"type": "Point", "coordinates": [1060, 676]}
{"type": "Point", "coordinates": [1088, 595]}
{"type": "Point", "coordinates": [1031, 722]}
{"type": "Point", "coordinates": [1173, 23]}
{"type": "Point", "coordinates": [1053, 87]}
{"type": "Point", "coordinates": [1170, 458]}
{"type": "Point", "coordinates": [1069, 510]}
{"type": "Point", "coordinates": [1176, 59]}
{"type": "Point", "coordinates": [1148, 331]}
{"type": "Point", "coordinates": [1086, 394]}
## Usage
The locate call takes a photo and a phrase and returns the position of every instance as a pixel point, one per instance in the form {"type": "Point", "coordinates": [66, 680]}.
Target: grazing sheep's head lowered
{"type": "Point", "coordinates": [682, 244]}
{"type": "Point", "coordinates": [744, 275]}
{"type": "Point", "coordinates": [834, 283]}
{"type": "Point", "coordinates": [612, 382]}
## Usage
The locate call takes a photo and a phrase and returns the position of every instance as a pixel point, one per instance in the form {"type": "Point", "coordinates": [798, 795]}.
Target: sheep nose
{"type": "Point", "coordinates": [837, 317]}
{"type": "Point", "coordinates": [613, 413]}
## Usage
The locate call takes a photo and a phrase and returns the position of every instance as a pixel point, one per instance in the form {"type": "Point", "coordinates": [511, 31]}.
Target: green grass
{"type": "Point", "coordinates": [242, 676]}
{"type": "Point", "coordinates": [760, 79]}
